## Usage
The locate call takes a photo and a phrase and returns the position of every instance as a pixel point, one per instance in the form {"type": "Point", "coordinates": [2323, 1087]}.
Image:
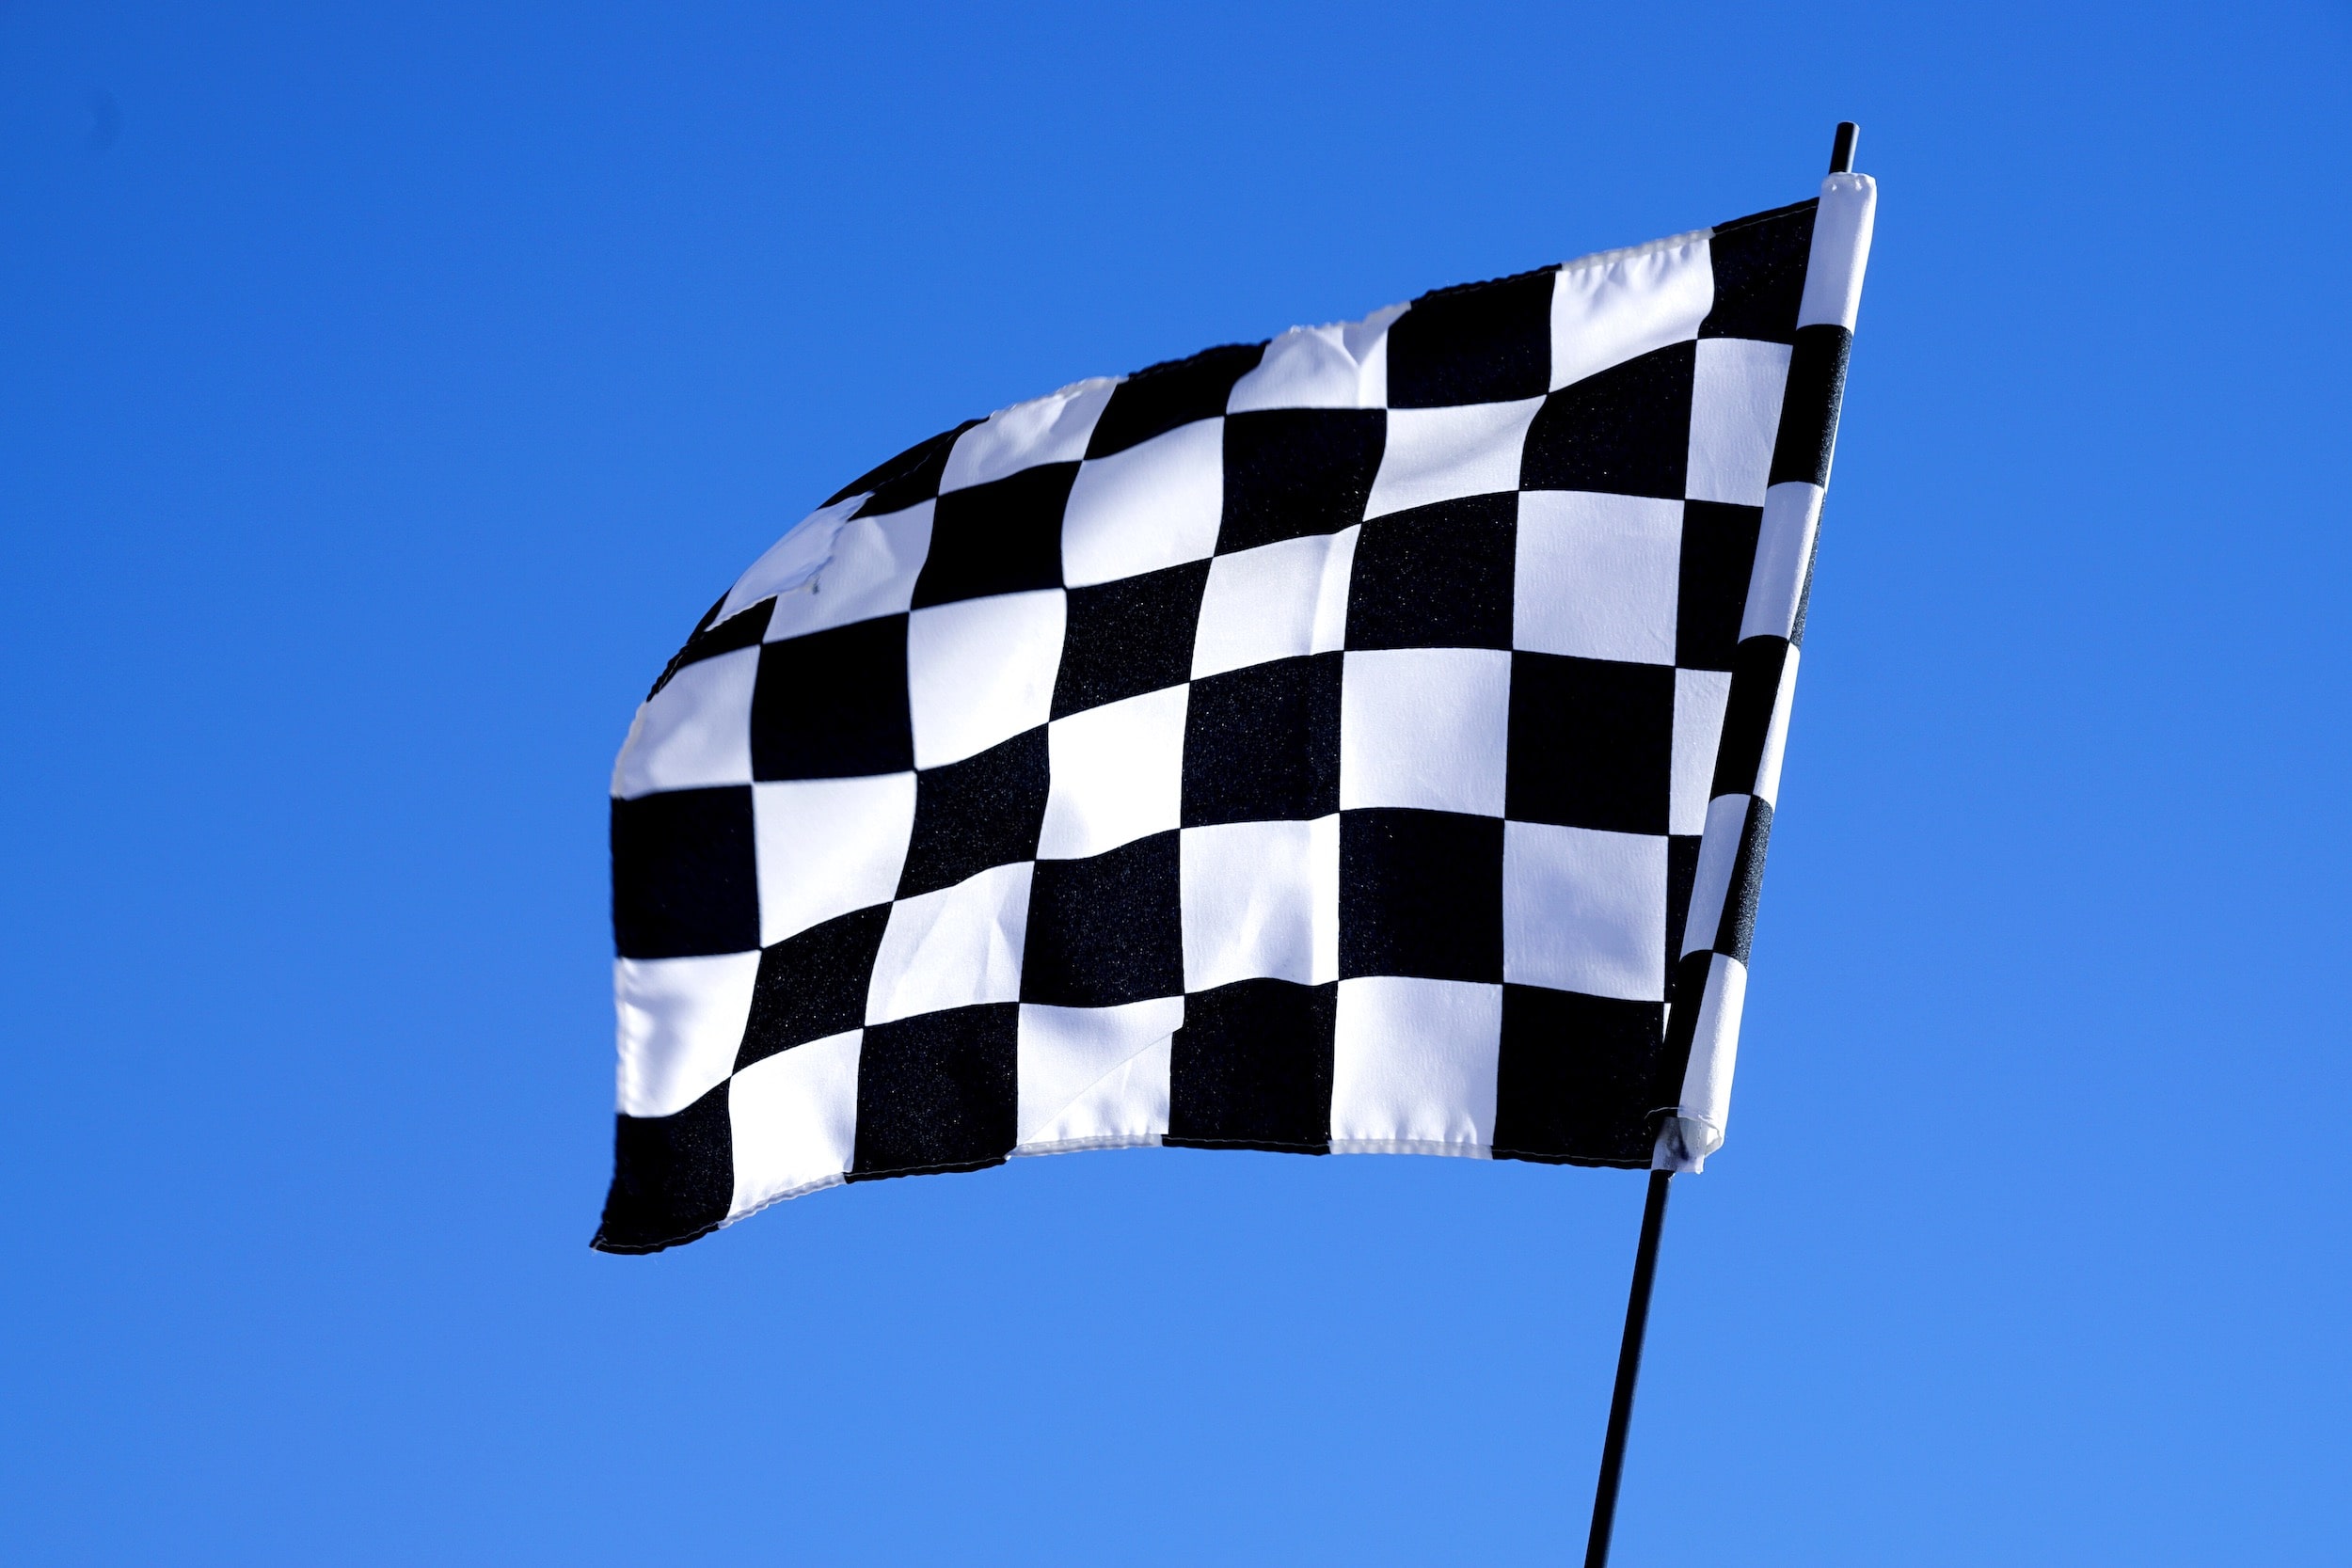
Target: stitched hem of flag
{"type": "Point", "coordinates": [1145, 1140]}
{"type": "Point", "coordinates": [949, 1168]}
{"type": "Point", "coordinates": [1766, 215]}
{"type": "Point", "coordinates": [1627, 253]}
{"type": "Point", "coordinates": [1411, 1146]}
{"type": "Point", "coordinates": [634, 1249]}
{"type": "Point", "coordinates": [1594, 1162]}
{"type": "Point", "coordinates": [787, 1196]}
{"type": "Point", "coordinates": [1264, 1145]}
{"type": "Point", "coordinates": [1079, 1146]}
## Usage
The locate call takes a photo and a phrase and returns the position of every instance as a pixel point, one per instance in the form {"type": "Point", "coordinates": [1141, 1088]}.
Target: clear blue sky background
{"type": "Point", "coordinates": [384, 394]}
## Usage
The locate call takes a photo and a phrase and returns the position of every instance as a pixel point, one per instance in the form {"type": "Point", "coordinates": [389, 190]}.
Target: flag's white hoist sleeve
{"type": "Point", "coordinates": [1711, 980]}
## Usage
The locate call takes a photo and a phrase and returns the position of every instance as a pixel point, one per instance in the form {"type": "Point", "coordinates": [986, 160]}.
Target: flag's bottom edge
{"type": "Point", "coordinates": [1138, 1140]}
{"type": "Point", "coordinates": [1449, 1147]}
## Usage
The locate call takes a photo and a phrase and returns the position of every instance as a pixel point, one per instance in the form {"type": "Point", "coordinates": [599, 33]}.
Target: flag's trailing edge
{"type": "Point", "coordinates": [1361, 741]}
{"type": "Point", "coordinates": [1702, 1041]}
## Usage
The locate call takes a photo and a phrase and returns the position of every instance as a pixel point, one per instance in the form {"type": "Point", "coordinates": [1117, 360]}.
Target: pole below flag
{"type": "Point", "coordinates": [1629, 1370]}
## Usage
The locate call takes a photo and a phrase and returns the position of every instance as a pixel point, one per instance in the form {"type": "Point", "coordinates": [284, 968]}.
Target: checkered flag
{"type": "Point", "coordinates": [1362, 741]}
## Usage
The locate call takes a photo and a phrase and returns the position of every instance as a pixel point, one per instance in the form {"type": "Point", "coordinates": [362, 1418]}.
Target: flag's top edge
{"type": "Point", "coordinates": [1768, 215]}
{"type": "Point", "coordinates": [1627, 253]}
{"type": "Point", "coordinates": [1583, 263]}
{"type": "Point", "coordinates": [914, 456]}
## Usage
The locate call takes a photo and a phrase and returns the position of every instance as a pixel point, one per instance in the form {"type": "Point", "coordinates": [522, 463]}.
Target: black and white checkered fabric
{"type": "Point", "coordinates": [1361, 741]}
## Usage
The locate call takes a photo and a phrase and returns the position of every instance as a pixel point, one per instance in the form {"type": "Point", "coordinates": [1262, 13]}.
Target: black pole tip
{"type": "Point", "coordinates": [1841, 151]}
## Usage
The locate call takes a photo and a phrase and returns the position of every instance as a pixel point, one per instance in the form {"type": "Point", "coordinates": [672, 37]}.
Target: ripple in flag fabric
{"type": "Point", "coordinates": [1361, 741]}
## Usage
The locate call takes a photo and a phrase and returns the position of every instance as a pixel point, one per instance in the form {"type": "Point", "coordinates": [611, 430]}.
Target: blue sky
{"type": "Point", "coordinates": [383, 395]}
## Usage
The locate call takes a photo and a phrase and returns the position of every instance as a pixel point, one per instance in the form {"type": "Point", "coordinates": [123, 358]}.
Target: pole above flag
{"type": "Point", "coordinates": [1841, 150]}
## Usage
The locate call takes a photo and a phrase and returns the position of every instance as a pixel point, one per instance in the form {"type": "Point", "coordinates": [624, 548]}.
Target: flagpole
{"type": "Point", "coordinates": [1653, 1221]}
{"type": "Point", "coordinates": [1629, 1370]}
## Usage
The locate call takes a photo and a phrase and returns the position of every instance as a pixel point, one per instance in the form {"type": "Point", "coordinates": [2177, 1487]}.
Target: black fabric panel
{"type": "Point", "coordinates": [1747, 882]}
{"type": "Point", "coordinates": [1682, 872]}
{"type": "Point", "coordinates": [1262, 744]}
{"type": "Point", "coordinates": [1291, 472]}
{"type": "Point", "coordinates": [1717, 558]}
{"type": "Point", "coordinates": [1592, 743]}
{"type": "Point", "coordinates": [1107, 929]}
{"type": "Point", "coordinates": [685, 874]}
{"type": "Point", "coordinates": [1572, 1082]}
{"type": "Point", "coordinates": [1756, 673]}
{"type": "Point", "coordinates": [813, 984]}
{"type": "Point", "coordinates": [986, 810]}
{"type": "Point", "coordinates": [1002, 537]}
{"type": "Point", "coordinates": [1129, 636]}
{"type": "Point", "coordinates": [911, 477]}
{"type": "Point", "coordinates": [743, 630]}
{"type": "Point", "coordinates": [938, 1092]}
{"type": "Point", "coordinates": [833, 704]}
{"type": "Point", "coordinates": [1421, 894]}
{"type": "Point", "coordinates": [672, 1178]}
{"type": "Point", "coordinates": [1759, 266]}
{"type": "Point", "coordinates": [1156, 400]}
{"type": "Point", "coordinates": [1624, 430]}
{"type": "Point", "coordinates": [1251, 1068]}
{"type": "Point", "coordinates": [1481, 343]}
{"type": "Point", "coordinates": [1436, 577]}
{"type": "Point", "coordinates": [1809, 410]}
